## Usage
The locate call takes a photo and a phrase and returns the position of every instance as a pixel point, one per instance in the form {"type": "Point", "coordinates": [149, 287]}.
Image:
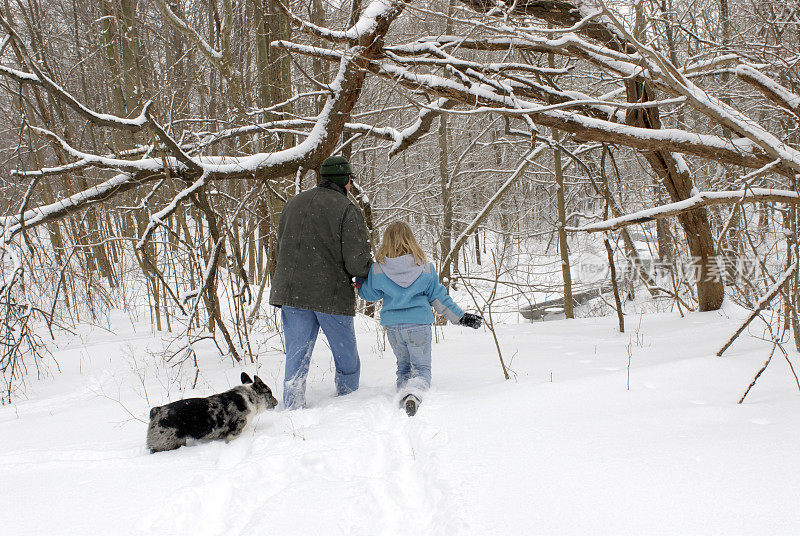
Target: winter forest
{"type": "Point", "coordinates": [610, 184]}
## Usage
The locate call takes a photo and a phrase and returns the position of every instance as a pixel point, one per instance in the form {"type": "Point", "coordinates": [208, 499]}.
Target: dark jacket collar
{"type": "Point", "coordinates": [333, 186]}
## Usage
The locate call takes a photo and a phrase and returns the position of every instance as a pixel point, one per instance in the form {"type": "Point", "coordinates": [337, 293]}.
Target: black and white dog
{"type": "Point", "coordinates": [219, 416]}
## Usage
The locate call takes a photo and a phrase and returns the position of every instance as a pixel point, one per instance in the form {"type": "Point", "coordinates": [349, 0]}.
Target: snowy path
{"type": "Point", "coordinates": [348, 468]}
{"type": "Point", "coordinates": [576, 455]}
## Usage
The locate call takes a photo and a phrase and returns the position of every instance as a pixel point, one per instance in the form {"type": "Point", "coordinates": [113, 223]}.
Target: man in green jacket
{"type": "Point", "coordinates": [322, 245]}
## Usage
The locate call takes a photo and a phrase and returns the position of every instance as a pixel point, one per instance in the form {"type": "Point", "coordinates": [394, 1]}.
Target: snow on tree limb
{"type": "Point", "coordinates": [771, 89]}
{"type": "Point", "coordinates": [190, 33]}
{"type": "Point", "coordinates": [702, 199]}
{"type": "Point", "coordinates": [737, 151]}
{"type": "Point", "coordinates": [58, 92]}
{"type": "Point", "coordinates": [580, 15]}
{"type": "Point", "coordinates": [365, 25]}
{"type": "Point", "coordinates": [158, 218]}
{"type": "Point", "coordinates": [321, 140]}
{"type": "Point", "coordinates": [568, 44]}
{"type": "Point", "coordinates": [101, 192]}
{"type": "Point", "coordinates": [101, 119]}
{"type": "Point", "coordinates": [741, 152]}
{"type": "Point", "coordinates": [420, 127]}
{"type": "Point", "coordinates": [129, 166]}
{"type": "Point", "coordinates": [206, 139]}
{"type": "Point", "coordinates": [172, 145]}
{"type": "Point", "coordinates": [711, 106]}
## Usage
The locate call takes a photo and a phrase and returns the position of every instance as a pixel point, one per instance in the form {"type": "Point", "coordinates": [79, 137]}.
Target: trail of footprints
{"type": "Point", "coordinates": [376, 468]}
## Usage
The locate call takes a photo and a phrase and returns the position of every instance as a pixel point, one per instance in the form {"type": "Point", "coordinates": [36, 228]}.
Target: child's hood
{"type": "Point", "coordinates": [402, 270]}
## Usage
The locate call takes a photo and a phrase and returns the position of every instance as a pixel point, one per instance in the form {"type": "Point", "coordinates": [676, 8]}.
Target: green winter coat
{"type": "Point", "coordinates": [322, 244]}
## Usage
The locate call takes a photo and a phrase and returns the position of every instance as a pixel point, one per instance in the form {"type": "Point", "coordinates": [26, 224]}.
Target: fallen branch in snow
{"type": "Point", "coordinates": [762, 304]}
{"type": "Point", "coordinates": [761, 371]}
{"type": "Point", "coordinates": [702, 199]}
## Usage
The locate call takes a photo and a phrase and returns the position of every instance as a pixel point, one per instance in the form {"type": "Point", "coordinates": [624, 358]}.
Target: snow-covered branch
{"type": "Point", "coordinates": [712, 106]}
{"type": "Point", "coordinates": [318, 144]}
{"type": "Point", "coordinates": [59, 209]}
{"type": "Point", "coordinates": [770, 88]}
{"type": "Point", "coordinates": [741, 151]}
{"type": "Point", "coordinates": [129, 166]}
{"type": "Point", "coordinates": [101, 119]}
{"type": "Point", "coordinates": [702, 199]}
{"type": "Point", "coordinates": [577, 15]}
{"type": "Point", "coordinates": [159, 217]}
{"type": "Point", "coordinates": [421, 126]}
{"type": "Point", "coordinates": [365, 25]}
{"type": "Point", "coordinates": [190, 33]}
{"type": "Point", "coordinates": [40, 79]}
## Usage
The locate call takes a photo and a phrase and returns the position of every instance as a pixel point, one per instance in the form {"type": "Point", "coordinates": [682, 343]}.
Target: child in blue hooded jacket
{"type": "Point", "coordinates": [409, 286]}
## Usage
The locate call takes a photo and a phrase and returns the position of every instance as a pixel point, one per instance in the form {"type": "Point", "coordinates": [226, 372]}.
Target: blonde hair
{"type": "Point", "coordinates": [398, 239]}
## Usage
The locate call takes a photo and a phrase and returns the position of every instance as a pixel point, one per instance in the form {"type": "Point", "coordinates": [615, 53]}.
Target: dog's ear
{"type": "Point", "coordinates": [246, 378]}
{"type": "Point", "coordinates": [260, 385]}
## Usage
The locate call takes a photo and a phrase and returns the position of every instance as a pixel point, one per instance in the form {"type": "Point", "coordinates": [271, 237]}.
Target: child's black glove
{"type": "Point", "coordinates": [471, 321]}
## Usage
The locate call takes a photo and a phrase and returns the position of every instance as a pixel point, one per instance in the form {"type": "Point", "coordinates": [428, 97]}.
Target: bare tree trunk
{"type": "Point", "coordinates": [445, 186]}
{"type": "Point", "coordinates": [669, 167]}
{"type": "Point", "coordinates": [445, 242]}
{"type": "Point", "coordinates": [562, 234]}
{"type": "Point", "coordinates": [317, 16]}
{"type": "Point", "coordinates": [675, 176]}
{"type": "Point", "coordinates": [563, 247]}
{"type": "Point", "coordinates": [613, 274]}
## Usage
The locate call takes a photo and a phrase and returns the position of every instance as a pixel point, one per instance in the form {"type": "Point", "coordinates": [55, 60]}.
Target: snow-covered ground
{"type": "Point", "coordinates": [562, 448]}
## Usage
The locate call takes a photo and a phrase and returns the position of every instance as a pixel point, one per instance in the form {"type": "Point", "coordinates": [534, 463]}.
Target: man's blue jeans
{"type": "Point", "coordinates": [300, 328]}
{"type": "Point", "coordinates": [411, 344]}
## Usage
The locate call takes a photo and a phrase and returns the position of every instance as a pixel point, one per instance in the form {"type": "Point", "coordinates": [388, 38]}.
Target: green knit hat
{"type": "Point", "coordinates": [336, 169]}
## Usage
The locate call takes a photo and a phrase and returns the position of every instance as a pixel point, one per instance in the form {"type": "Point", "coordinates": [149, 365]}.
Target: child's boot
{"type": "Point", "coordinates": [410, 403]}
